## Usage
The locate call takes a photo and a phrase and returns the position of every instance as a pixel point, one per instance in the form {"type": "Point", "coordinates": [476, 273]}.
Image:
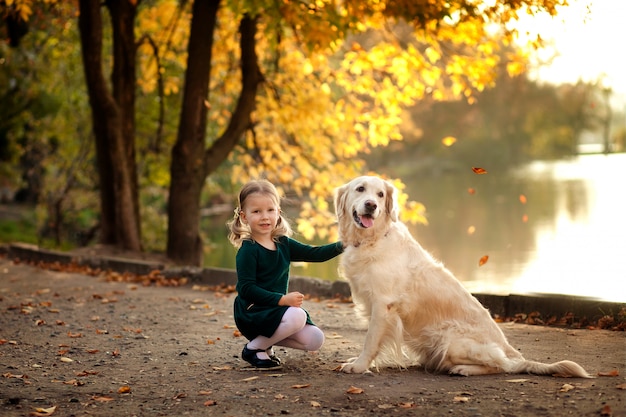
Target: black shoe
{"type": "Point", "coordinates": [270, 353]}
{"type": "Point", "coordinates": [250, 356]}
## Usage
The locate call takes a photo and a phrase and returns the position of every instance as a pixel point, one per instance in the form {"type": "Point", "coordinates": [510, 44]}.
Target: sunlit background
{"type": "Point", "coordinates": [569, 235]}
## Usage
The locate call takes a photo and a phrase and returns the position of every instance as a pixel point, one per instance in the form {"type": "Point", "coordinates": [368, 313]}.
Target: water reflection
{"type": "Point", "coordinates": [566, 235]}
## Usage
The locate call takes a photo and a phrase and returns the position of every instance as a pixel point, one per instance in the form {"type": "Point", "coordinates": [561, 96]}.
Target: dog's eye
{"type": "Point", "coordinates": [360, 188]}
{"type": "Point", "coordinates": [381, 194]}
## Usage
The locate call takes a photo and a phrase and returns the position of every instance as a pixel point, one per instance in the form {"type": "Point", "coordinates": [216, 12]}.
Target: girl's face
{"type": "Point", "coordinates": [261, 213]}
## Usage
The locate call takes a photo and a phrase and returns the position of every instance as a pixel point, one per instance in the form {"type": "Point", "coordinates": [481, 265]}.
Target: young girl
{"type": "Point", "coordinates": [265, 313]}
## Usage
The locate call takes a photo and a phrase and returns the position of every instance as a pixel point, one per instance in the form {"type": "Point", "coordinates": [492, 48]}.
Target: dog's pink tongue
{"type": "Point", "coordinates": [367, 221]}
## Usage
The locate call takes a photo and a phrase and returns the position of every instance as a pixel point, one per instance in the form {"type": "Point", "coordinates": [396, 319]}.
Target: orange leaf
{"type": "Point", "coordinates": [210, 403]}
{"type": "Point", "coordinates": [124, 389]}
{"type": "Point", "coordinates": [525, 218]}
{"type": "Point", "coordinates": [483, 260]}
{"type": "Point", "coordinates": [479, 170]}
{"type": "Point", "coordinates": [606, 411]}
{"type": "Point", "coordinates": [471, 230]}
{"type": "Point", "coordinates": [614, 372]}
{"type": "Point", "coordinates": [471, 191]}
{"type": "Point", "coordinates": [354, 390]}
{"type": "Point", "coordinates": [522, 199]}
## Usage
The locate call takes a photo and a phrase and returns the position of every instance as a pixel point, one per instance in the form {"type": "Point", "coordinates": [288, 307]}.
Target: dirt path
{"type": "Point", "coordinates": [90, 347]}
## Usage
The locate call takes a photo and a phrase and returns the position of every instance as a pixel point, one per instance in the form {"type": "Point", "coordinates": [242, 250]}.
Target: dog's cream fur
{"type": "Point", "coordinates": [417, 310]}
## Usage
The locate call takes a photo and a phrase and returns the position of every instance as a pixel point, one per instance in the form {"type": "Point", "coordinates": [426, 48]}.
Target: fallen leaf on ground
{"type": "Point", "coordinates": [517, 380]}
{"type": "Point", "coordinates": [252, 378]}
{"type": "Point", "coordinates": [101, 398]}
{"type": "Point", "coordinates": [43, 411]}
{"type": "Point", "coordinates": [354, 390]}
{"type": "Point", "coordinates": [209, 403]}
{"type": "Point", "coordinates": [614, 372]}
{"type": "Point", "coordinates": [567, 387]}
{"type": "Point", "coordinates": [606, 411]}
{"type": "Point", "coordinates": [298, 386]}
{"type": "Point", "coordinates": [461, 399]}
{"type": "Point", "coordinates": [66, 359]}
{"type": "Point", "coordinates": [124, 389]}
{"type": "Point", "coordinates": [315, 404]}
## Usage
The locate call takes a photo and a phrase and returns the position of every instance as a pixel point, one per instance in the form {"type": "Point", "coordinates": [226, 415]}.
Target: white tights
{"type": "Point", "coordinates": [292, 332]}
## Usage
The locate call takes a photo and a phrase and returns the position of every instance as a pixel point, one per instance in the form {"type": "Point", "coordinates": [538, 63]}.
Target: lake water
{"type": "Point", "coordinates": [549, 227]}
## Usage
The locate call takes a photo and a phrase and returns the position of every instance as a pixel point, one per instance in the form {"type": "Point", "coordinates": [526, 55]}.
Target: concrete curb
{"type": "Point", "coordinates": [502, 305]}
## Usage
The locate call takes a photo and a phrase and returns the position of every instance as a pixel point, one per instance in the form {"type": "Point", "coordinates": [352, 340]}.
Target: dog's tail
{"type": "Point", "coordinates": [562, 368]}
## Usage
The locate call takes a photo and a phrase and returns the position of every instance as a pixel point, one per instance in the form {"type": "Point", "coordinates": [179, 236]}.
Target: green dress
{"type": "Point", "coordinates": [263, 278]}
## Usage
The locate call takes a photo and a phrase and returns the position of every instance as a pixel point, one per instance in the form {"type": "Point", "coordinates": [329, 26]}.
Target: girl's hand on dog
{"type": "Point", "coordinates": [292, 299]}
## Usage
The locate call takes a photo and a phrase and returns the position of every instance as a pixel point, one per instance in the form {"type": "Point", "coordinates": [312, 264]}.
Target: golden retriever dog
{"type": "Point", "coordinates": [418, 312]}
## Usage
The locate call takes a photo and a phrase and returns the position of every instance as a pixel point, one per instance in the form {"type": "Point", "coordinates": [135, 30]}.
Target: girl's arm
{"type": "Point", "coordinates": [300, 252]}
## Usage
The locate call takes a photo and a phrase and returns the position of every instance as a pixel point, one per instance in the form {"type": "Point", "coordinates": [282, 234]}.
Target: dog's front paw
{"type": "Point", "coordinates": [459, 370]}
{"type": "Point", "coordinates": [354, 367]}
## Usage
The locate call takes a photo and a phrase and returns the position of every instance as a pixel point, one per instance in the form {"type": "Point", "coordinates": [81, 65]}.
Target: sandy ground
{"type": "Point", "coordinates": [79, 345]}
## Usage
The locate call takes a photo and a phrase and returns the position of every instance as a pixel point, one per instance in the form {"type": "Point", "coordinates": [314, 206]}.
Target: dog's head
{"type": "Point", "coordinates": [365, 204]}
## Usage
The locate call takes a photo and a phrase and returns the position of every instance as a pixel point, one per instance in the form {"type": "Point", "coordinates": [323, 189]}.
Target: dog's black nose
{"type": "Point", "coordinates": [370, 205]}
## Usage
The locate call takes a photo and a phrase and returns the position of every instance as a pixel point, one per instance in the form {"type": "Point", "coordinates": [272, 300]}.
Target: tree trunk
{"type": "Point", "coordinates": [191, 163]}
{"type": "Point", "coordinates": [117, 174]}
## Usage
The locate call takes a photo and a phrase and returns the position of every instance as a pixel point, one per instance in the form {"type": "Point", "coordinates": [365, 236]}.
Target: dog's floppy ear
{"type": "Point", "coordinates": [391, 201]}
{"type": "Point", "coordinates": [340, 201]}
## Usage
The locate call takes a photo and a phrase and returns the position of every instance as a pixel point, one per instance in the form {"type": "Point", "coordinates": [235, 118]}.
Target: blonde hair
{"type": "Point", "coordinates": [238, 231]}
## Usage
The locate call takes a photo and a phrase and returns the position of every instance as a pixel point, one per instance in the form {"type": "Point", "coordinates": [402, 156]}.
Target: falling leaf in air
{"type": "Point", "coordinates": [40, 412]}
{"type": "Point", "coordinates": [479, 170]}
{"type": "Point", "coordinates": [483, 260]}
{"type": "Point", "coordinates": [471, 191]}
{"type": "Point", "coordinates": [525, 218]}
{"type": "Point", "coordinates": [448, 141]}
{"type": "Point", "coordinates": [522, 199]}
{"type": "Point", "coordinates": [471, 230]}
{"type": "Point", "coordinates": [354, 390]}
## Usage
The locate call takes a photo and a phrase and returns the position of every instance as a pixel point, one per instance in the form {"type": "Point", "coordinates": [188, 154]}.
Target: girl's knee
{"type": "Point", "coordinates": [316, 338]}
{"type": "Point", "coordinates": [295, 318]}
